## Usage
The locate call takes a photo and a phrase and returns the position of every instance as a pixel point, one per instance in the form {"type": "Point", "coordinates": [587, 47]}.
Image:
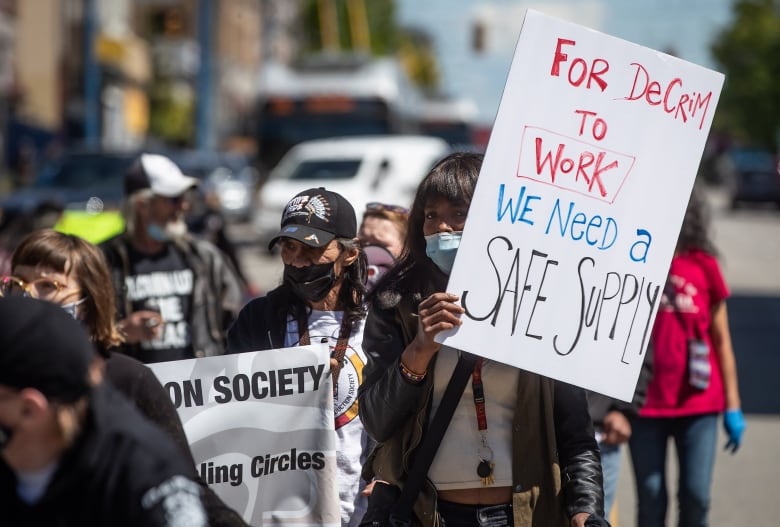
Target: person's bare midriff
{"type": "Point", "coordinates": [478, 496]}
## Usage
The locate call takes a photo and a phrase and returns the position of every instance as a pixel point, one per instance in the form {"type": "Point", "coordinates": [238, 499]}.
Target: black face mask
{"type": "Point", "coordinates": [5, 436]}
{"type": "Point", "coordinates": [310, 283]}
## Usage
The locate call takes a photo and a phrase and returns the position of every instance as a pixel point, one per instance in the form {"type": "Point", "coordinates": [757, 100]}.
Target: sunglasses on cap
{"type": "Point", "coordinates": [376, 206]}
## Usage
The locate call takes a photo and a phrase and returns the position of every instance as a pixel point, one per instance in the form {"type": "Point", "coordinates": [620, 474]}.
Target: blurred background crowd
{"type": "Point", "coordinates": [227, 87]}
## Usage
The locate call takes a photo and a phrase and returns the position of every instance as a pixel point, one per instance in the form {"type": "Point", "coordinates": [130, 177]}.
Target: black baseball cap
{"type": "Point", "coordinates": [315, 217]}
{"type": "Point", "coordinates": [43, 347]}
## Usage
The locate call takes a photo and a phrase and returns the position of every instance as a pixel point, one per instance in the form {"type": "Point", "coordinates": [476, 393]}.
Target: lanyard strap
{"type": "Point", "coordinates": [479, 395]}
{"type": "Point", "coordinates": [341, 344]}
{"type": "Point", "coordinates": [485, 453]}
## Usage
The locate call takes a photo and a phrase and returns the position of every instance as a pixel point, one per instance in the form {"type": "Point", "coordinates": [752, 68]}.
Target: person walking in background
{"type": "Point", "coordinates": [73, 452]}
{"type": "Point", "coordinates": [176, 295]}
{"type": "Point", "coordinates": [321, 297]}
{"type": "Point", "coordinates": [612, 423]}
{"type": "Point", "coordinates": [694, 379]}
{"type": "Point", "coordinates": [205, 220]}
{"type": "Point", "coordinates": [72, 273]}
{"type": "Point", "coordinates": [613, 429]}
{"type": "Point", "coordinates": [532, 459]}
{"type": "Point", "coordinates": [384, 225]}
{"type": "Point", "coordinates": [382, 234]}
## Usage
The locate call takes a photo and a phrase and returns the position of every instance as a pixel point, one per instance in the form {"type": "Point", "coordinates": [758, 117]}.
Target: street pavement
{"type": "Point", "coordinates": [744, 491]}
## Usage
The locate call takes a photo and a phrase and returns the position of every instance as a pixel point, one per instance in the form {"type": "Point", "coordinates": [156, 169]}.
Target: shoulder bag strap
{"type": "Point", "coordinates": [402, 512]}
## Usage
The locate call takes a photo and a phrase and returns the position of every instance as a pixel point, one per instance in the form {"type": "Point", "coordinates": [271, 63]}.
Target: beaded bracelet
{"type": "Point", "coordinates": [411, 375]}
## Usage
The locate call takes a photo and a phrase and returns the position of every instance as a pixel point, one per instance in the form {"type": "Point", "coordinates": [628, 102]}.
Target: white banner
{"type": "Point", "coordinates": [260, 426]}
{"type": "Point", "coordinates": [579, 203]}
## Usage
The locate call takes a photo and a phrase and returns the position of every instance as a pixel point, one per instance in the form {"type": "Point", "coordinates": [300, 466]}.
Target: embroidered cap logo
{"type": "Point", "coordinates": [308, 206]}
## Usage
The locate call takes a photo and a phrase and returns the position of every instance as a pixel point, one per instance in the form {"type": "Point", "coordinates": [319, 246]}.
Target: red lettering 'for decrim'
{"type": "Point", "coordinates": [579, 70]}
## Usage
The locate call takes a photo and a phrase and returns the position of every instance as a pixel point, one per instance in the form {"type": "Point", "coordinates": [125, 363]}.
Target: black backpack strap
{"type": "Point", "coordinates": [402, 512]}
{"type": "Point", "coordinates": [118, 259]}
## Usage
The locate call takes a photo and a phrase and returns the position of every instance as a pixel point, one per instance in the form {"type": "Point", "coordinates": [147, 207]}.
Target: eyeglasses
{"type": "Point", "coordinates": [376, 206]}
{"type": "Point", "coordinates": [42, 288]}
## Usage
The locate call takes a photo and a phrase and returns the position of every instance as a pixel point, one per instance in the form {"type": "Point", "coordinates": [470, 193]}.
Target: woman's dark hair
{"type": "Point", "coordinates": [694, 233]}
{"type": "Point", "coordinates": [74, 256]}
{"type": "Point", "coordinates": [353, 289]}
{"type": "Point", "coordinates": [452, 179]}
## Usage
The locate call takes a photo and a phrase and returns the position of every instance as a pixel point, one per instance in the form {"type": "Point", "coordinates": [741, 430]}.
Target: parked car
{"type": "Point", "coordinates": [751, 176]}
{"type": "Point", "coordinates": [86, 185]}
{"type": "Point", "coordinates": [362, 169]}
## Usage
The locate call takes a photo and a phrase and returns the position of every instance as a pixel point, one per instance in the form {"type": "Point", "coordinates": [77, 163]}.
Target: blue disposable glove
{"type": "Point", "coordinates": [734, 423]}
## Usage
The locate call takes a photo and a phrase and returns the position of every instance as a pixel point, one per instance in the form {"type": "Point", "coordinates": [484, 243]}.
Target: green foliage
{"type": "Point", "coordinates": [748, 53]}
{"type": "Point", "coordinates": [383, 31]}
{"type": "Point", "coordinates": [172, 110]}
{"type": "Point", "coordinates": [310, 19]}
{"type": "Point", "coordinates": [386, 37]}
{"type": "Point", "coordinates": [419, 59]}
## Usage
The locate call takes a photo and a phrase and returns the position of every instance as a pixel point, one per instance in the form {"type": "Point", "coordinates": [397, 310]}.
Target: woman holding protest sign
{"type": "Point", "coordinates": [71, 272]}
{"type": "Point", "coordinates": [528, 458]}
{"type": "Point", "coordinates": [694, 379]}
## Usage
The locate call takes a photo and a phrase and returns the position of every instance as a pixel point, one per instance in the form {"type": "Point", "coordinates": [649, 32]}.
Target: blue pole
{"type": "Point", "coordinates": [91, 77]}
{"type": "Point", "coordinates": [204, 133]}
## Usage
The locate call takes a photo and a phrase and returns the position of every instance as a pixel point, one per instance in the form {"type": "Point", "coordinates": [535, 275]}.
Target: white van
{"type": "Point", "coordinates": [363, 169]}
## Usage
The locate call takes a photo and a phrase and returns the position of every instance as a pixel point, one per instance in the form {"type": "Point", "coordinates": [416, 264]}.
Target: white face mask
{"type": "Point", "coordinates": [73, 308]}
{"type": "Point", "coordinates": [442, 247]}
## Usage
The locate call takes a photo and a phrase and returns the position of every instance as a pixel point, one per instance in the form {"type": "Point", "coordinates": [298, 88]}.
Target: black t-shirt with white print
{"type": "Point", "coordinates": [162, 282]}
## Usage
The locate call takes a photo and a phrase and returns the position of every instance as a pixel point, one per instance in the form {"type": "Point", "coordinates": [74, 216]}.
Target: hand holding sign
{"type": "Point", "coordinates": [436, 313]}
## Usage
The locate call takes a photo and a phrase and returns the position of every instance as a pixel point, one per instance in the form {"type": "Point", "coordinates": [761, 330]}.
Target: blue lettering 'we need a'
{"type": "Point", "coordinates": [597, 231]}
{"type": "Point", "coordinates": [514, 207]}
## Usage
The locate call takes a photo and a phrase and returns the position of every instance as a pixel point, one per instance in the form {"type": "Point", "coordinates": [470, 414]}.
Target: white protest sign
{"type": "Point", "coordinates": [579, 202]}
{"type": "Point", "coordinates": [260, 427]}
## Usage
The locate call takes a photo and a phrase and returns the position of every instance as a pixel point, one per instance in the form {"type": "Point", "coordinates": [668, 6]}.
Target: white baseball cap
{"type": "Point", "coordinates": [159, 174]}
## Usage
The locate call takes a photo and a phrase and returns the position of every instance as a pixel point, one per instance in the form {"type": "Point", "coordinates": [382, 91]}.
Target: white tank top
{"type": "Point", "coordinates": [455, 464]}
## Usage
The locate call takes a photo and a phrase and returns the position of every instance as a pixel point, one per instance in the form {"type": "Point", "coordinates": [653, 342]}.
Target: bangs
{"type": "Point", "coordinates": [446, 185]}
{"type": "Point", "coordinates": [46, 251]}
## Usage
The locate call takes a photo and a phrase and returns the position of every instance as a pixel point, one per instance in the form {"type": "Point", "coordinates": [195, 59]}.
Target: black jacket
{"type": "Point", "coordinates": [121, 471]}
{"type": "Point", "coordinates": [262, 323]}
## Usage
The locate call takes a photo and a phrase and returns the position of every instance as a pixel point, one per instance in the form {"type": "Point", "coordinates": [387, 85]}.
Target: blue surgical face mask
{"type": "Point", "coordinates": [171, 230]}
{"type": "Point", "coordinates": [157, 233]}
{"type": "Point", "coordinates": [72, 308]}
{"type": "Point", "coordinates": [442, 247]}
